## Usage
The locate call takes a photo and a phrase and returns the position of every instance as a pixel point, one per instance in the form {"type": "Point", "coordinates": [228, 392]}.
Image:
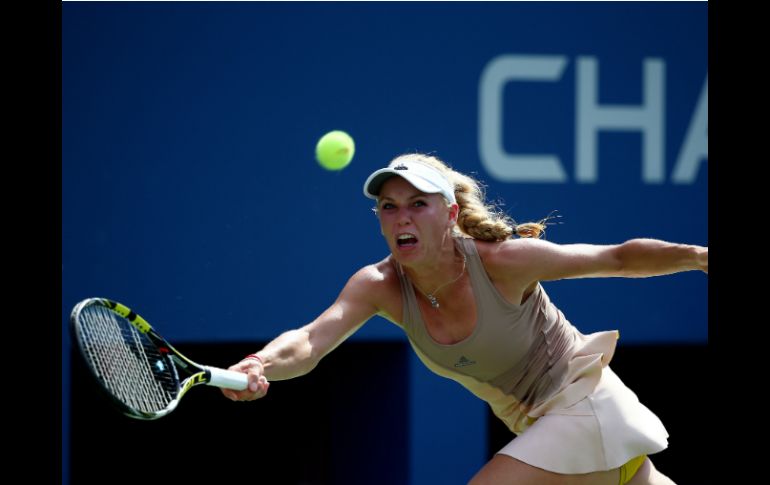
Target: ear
{"type": "Point", "coordinates": [454, 211]}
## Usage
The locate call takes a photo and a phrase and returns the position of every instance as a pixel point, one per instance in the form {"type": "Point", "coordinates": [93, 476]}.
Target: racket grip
{"type": "Point", "coordinates": [227, 379]}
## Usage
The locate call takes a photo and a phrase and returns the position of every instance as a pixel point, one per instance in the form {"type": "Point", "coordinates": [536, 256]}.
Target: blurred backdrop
{"type": "Point", "coordinates": [190, 193]}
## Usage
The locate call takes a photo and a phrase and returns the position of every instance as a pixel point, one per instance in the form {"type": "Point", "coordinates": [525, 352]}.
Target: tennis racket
{"type": "Point", "coordinates": [137, 367]}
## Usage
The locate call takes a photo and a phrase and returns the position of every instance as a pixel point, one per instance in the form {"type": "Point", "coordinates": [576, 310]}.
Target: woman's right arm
{"type": "Point", "coordinates": [297, 352]}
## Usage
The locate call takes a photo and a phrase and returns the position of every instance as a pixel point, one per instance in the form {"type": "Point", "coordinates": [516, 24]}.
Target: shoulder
{"type": "Point", "coordinates": [378, 284]}
{"type": "Point", "coordinates": [509, 254]}
{"type": "Point", "coordinates": [377, 280]}
{"type": "Point", "coordinates": [509, 266]}
{"type": "Point", "coordinates": [540, 260]}
{"type": "Point", "coordinates": [522, 262]}
{"type": "Point", "coordinates": [376, 274]}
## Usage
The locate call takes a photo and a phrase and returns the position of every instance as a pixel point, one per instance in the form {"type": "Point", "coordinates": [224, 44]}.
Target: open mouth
{"type": "Point", "coordinates": [406, 240]}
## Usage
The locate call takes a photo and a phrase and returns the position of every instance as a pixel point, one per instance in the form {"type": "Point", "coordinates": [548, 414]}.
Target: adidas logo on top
{"type": "Point", "coordinates": [463, 361]}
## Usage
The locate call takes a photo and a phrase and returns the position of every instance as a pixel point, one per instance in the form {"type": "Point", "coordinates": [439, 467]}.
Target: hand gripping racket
{"type": "Point", "coordinates": [137, 367]}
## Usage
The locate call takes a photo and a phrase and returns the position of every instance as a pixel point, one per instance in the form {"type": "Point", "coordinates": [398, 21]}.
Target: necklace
{"type": "Point", "coordinates": [431, 295]}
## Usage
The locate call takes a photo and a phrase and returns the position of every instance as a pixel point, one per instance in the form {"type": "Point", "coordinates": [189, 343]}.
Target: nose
{"type": "Point", "coordinates": [403, 218]}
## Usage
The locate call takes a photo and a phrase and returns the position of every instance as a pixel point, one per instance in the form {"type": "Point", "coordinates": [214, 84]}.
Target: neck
{"type": "Point", "coordinates": [448, 265]}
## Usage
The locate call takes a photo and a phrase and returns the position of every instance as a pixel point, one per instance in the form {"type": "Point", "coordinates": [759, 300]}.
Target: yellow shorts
{"type": "Point", "coordinates": [628, 470]}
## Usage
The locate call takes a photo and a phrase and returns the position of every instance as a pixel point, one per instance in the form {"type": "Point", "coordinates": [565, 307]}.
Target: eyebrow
{"type": "Point", "coordinates": [420, 194]}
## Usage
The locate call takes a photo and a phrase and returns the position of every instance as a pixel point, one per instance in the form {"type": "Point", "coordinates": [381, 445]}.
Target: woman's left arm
{"type": "Point", "coordinates": [641, 258]}
{"type": "Point", "coordinates": [540, 260]}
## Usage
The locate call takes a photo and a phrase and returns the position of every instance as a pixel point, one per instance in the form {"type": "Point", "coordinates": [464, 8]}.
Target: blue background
{"type": "Point", "coordinates": [190, 190]}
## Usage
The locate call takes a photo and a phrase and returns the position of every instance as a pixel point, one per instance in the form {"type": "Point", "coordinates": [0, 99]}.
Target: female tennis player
{"type": "Point", "coordinates": [467, 294]}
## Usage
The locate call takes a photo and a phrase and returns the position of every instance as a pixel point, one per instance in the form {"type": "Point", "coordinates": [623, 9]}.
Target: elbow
{"type": "Point", "coordinates": [624, 260]}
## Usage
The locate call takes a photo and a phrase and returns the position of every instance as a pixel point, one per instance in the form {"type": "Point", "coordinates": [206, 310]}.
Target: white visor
{"type": "Point", "coordinates": [423, 177]}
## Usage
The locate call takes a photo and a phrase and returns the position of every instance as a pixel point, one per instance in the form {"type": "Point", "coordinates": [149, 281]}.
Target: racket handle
{"type": "Point", "coordinates": [227, 379]}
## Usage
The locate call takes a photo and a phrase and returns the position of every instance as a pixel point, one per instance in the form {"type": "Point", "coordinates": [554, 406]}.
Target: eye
{"type": "Point", "coordinates": [420, 203]}
{"type": "Point", "coordinates": [387, 205]}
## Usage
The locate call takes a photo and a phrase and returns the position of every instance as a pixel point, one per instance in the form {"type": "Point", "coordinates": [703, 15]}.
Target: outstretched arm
{"type": "Point", "coordinates": [638, 258]}
{"type": "Point", "coordinates": [297, 352]}
{"type": "Point", "coordinates": [641, 258]}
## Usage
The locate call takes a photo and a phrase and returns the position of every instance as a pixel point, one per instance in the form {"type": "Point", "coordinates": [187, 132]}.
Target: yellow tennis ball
{"type": "Point", "coordinates": [335, 150]}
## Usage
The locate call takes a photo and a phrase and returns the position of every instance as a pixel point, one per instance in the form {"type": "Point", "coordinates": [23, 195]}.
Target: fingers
{"type": "Point", "coordinates": [253, 380]}
{"type": "Point", "coordinates": [257, 384]}
{"type": "Point", "coordinates": [257, 390]}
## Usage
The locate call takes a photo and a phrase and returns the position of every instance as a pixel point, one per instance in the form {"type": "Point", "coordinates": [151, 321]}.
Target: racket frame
{"type": "Point", "coordinates": [198, 374]}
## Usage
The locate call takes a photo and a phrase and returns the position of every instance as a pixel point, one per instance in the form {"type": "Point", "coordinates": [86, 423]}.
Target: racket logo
{"type": "Point", "coordinates": [193, 381]}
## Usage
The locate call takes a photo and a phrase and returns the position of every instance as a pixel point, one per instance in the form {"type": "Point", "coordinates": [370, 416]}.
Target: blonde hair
{"type": "Point", "coordinates": [476, 217]}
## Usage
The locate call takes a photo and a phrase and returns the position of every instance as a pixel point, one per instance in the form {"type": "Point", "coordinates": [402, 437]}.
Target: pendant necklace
{"type": "Point", "coordinates": [431, 296]}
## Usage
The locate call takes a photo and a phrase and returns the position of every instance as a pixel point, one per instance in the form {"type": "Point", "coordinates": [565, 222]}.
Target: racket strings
{"type": "Point", "coordinates": [126, 361]}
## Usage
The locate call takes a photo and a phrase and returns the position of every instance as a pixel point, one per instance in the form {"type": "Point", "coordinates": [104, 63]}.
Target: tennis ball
{"type": "Point", "coordinates": [335, 150]}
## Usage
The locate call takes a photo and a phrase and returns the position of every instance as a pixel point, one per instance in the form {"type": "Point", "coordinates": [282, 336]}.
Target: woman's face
{"type": "Point", "coordinates": [415, 224]}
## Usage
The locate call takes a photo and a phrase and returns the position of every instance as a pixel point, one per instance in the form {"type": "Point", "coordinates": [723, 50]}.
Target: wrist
{"type": "Point", "coordinates": [255, 357]}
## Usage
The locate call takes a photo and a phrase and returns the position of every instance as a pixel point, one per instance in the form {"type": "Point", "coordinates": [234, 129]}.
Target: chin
{"type": "Point", "coordinates": [406, 255]}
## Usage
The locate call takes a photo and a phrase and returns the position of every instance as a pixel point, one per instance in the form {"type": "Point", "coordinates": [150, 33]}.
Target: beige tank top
{"type": "Point", "coordinates": [524, 360]}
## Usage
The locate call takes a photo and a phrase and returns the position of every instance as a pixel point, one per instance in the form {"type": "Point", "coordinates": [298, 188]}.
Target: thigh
{"type": "Point", "coordinates": [505, 470]}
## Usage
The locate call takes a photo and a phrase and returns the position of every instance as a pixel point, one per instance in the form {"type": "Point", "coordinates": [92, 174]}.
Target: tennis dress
{"type": "Point", "coordinates": [550, 384]}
